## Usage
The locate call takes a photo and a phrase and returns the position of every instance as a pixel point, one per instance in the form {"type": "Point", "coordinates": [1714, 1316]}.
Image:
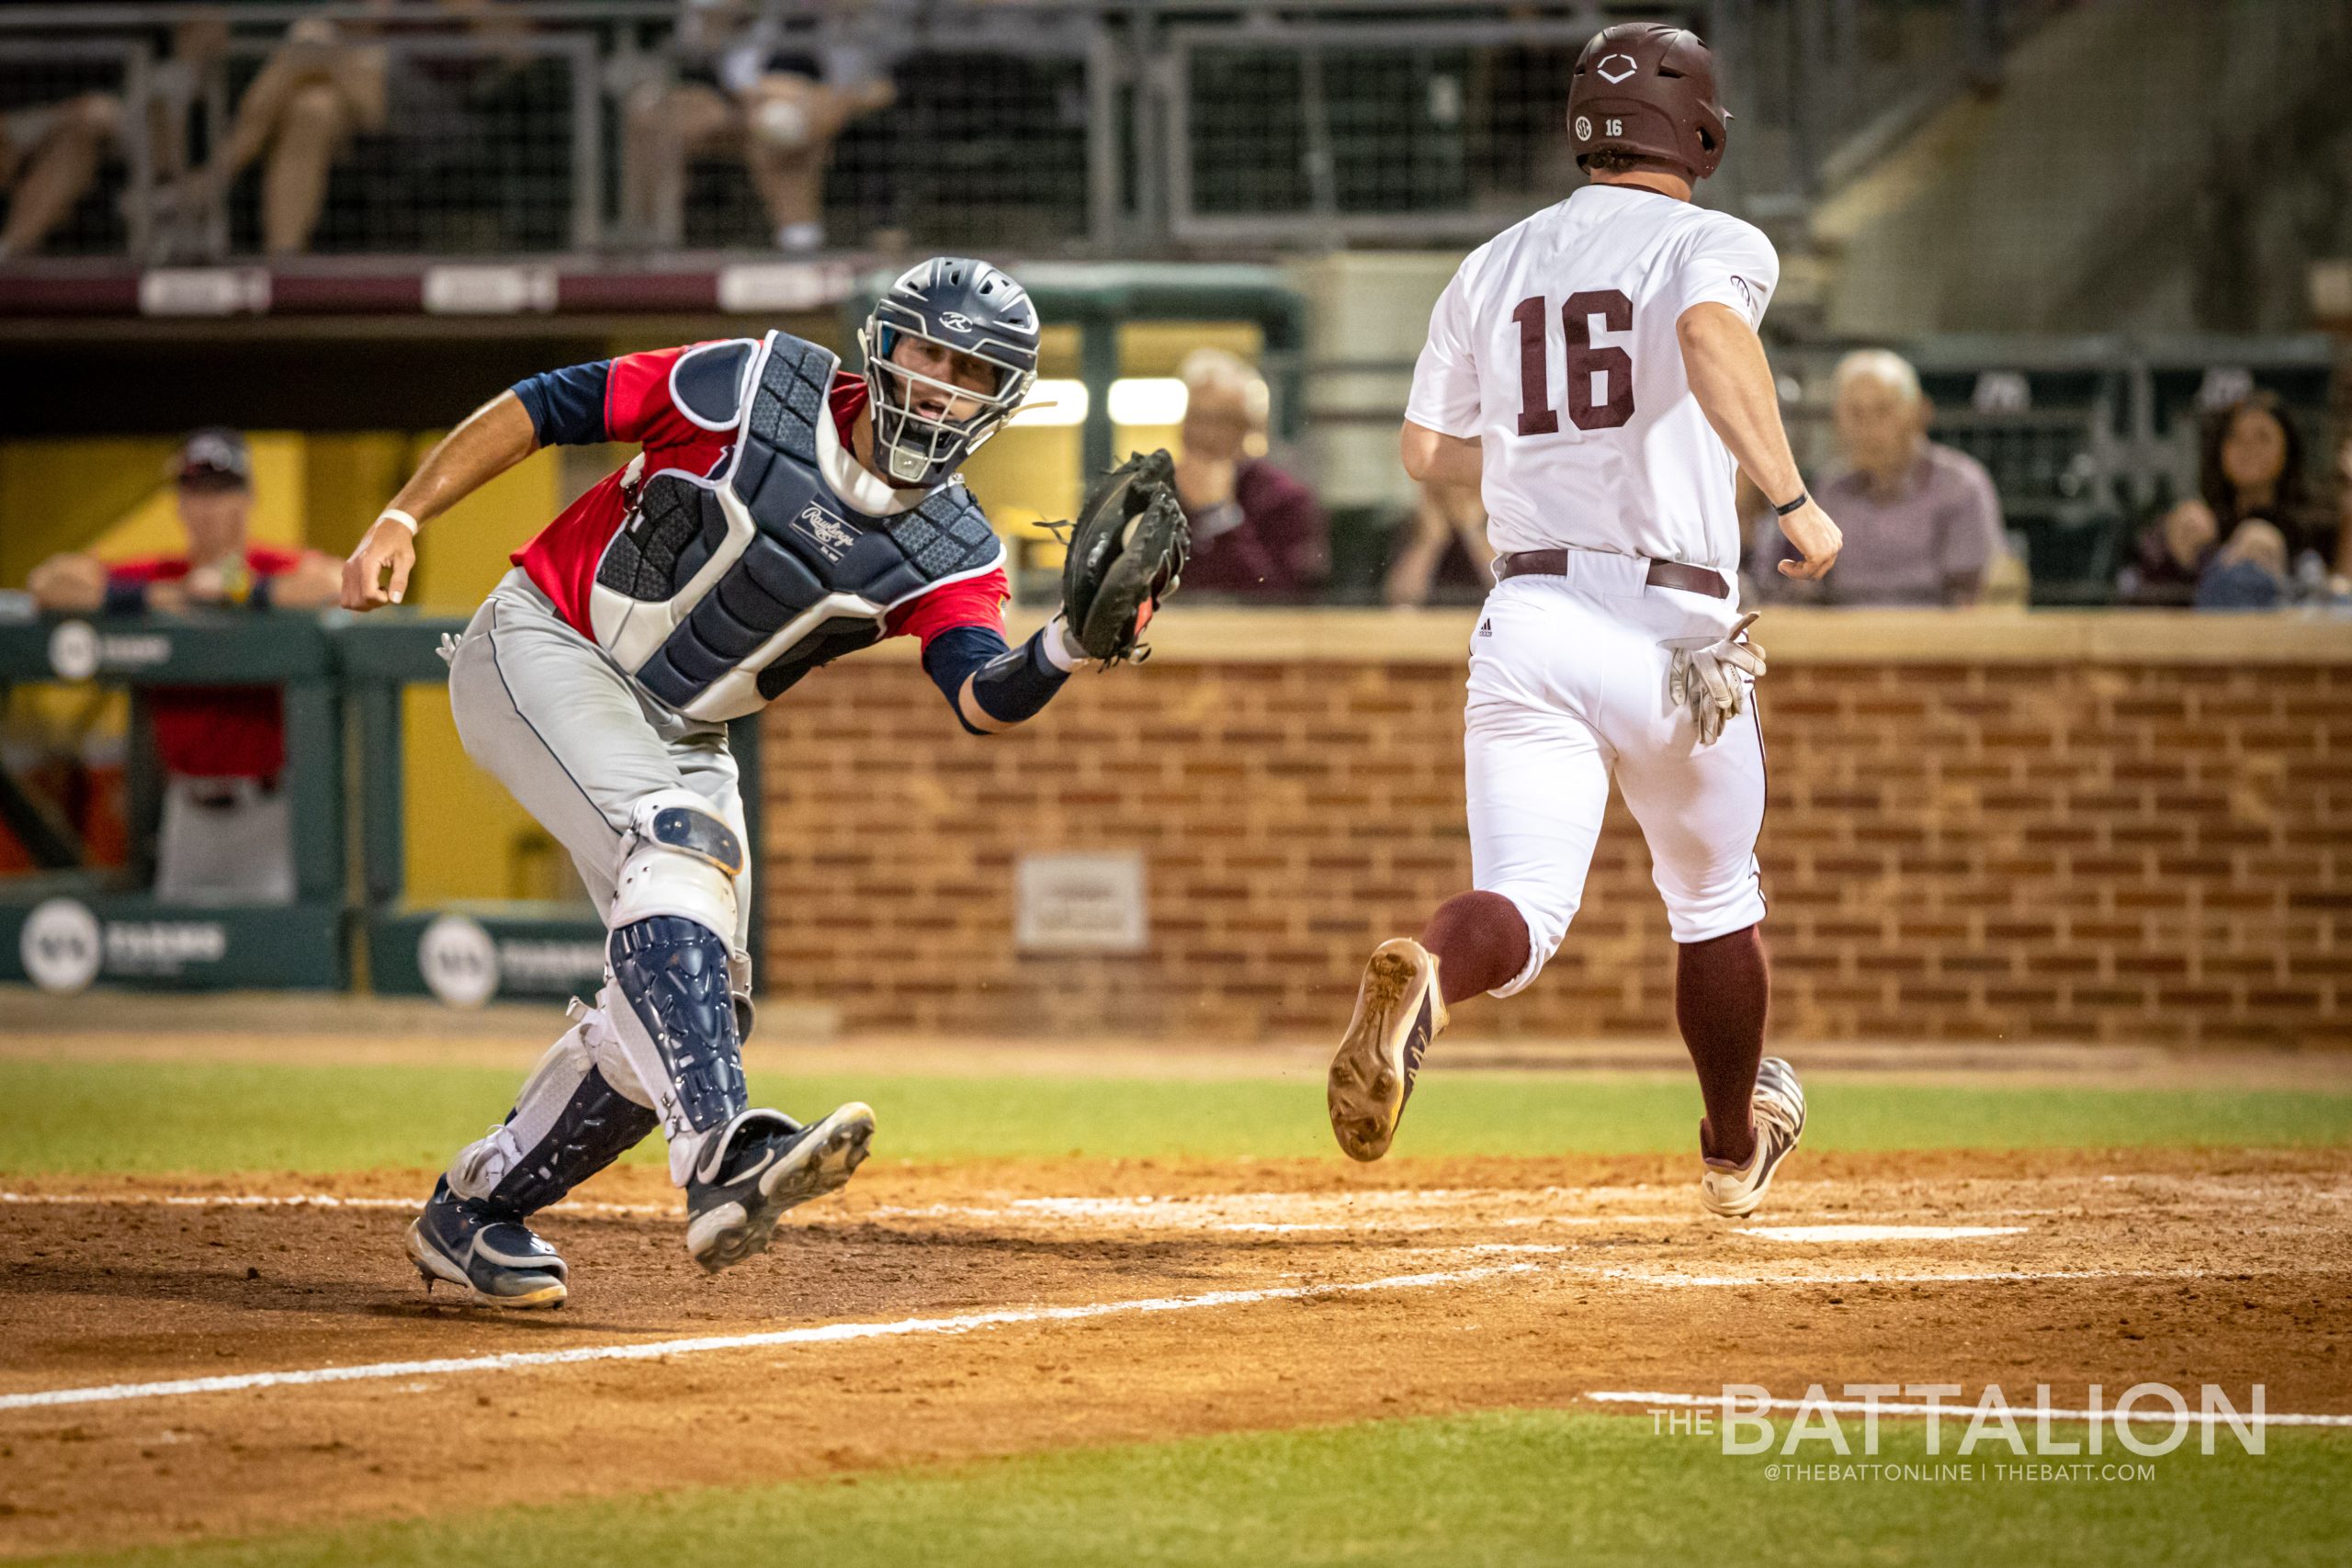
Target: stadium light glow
{"type": "Point", "coordinates": [1053, 402]}
{"type": "Point", "coordinates": [1147, 400]}
{"type": "Point", "coordinates": [1135, 400]}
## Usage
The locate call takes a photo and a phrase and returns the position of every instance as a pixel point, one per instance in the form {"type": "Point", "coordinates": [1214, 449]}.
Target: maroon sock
{"type": "Point", "coordinates": [1480, 940]}
{"type": "Point", "coordinates": [1722, 989]}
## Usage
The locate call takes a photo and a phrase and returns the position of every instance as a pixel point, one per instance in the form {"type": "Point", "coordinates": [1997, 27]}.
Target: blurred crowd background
{"type": "Point", "coordinates": [2065, 283]}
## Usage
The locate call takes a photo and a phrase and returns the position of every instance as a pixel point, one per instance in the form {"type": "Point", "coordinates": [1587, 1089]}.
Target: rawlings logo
{"type": "Point", "coordinates": [826, 532]}
{"type": "Point", "coordinates": [955, 320]}
{"type": "Point", "coordinates": [1615, 68]}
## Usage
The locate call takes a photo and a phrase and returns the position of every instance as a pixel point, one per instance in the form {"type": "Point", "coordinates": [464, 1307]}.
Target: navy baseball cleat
{"type": "Point", "coordinates": [760, 1165]}
{"type": "Point", "coordinates": [496, 1261]}
{"type": "Point", "coordinates": [1398, 1011]}
{"type": "Point", "coordinates": [1732, 1192]}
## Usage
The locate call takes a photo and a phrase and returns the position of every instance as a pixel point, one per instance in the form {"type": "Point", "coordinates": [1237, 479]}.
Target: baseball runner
{"type": "Point", "coordinates": [780, 513]}
{"type": "Point", "coordinates": [1597, 370]}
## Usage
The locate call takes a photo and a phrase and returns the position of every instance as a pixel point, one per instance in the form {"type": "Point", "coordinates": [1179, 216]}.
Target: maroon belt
{"type": "Point", "coordinates": [1662, 573]}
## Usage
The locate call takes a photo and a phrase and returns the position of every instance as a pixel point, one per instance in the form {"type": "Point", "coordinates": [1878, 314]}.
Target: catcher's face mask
{"type": "Point", "coordinates": [930, 410]}
{"type": "Point", "coordinates": [950, 353]}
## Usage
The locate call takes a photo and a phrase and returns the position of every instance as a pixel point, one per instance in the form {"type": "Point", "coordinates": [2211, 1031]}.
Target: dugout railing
{"type": "Point", "coordinates": [352, 923]}
{"type": "Point", "coordinates": [68, 926]}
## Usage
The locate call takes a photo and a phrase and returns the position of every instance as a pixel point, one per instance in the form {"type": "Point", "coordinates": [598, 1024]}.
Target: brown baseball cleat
{"type": "Point", "coordinates": [1398, 1011]}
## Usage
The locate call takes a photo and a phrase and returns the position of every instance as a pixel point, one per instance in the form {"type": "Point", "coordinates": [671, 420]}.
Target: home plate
{"type": "Point", "coordinates": [1880, 1233]}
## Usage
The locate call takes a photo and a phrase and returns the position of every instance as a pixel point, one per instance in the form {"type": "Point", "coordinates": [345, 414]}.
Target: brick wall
{"type": "Point", "coordinates": [2152, 849]}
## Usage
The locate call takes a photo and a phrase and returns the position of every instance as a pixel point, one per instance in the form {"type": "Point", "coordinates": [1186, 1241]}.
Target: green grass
{"type": "Point", "coordinates": [181, 1116]}
{"type": "Point", "coordinates": [1501, 1487]}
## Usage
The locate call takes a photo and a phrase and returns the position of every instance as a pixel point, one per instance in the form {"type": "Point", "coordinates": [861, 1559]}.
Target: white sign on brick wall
{"type": "Point", "coordinates": [1081, 903]}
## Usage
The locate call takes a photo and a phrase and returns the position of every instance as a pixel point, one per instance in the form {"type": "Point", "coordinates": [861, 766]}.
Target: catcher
{"type": "Point", "coordinates": [780, 513]}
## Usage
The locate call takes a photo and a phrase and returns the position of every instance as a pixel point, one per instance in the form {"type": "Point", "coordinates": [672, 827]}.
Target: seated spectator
{"type": "Point", "coordinates": [1257, 531]}
{"type": "Point", "coordinates": [741, 96]}
{"type": "Point", "coordinates": [221, 748]}
{"type": "Point", "coordinates": [1922, 521]}
{"type": "Point", "coordinates": [2250, 467]}
{"type": "Point", "coordinates": [321, 86]}
{"type": "Point", "coordinates": [2247, 573]}
{"type": "Point", "coordinates": [2171, 557]}
{"type": "Point", "coordinates": [1444, 539]}
{"type": "Point", "coordinates": [326, 83]}
{"type": "Point", "coordinates": [49, 157]}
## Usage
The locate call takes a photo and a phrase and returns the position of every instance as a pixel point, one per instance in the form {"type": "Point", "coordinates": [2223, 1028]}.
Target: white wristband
{"type": "Point", "coordinates": [1055, 646]}
{"type": "Point", "coordinates": [394, 515]}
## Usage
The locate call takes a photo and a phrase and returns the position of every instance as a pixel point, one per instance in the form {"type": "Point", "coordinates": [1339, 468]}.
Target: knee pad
{"type": "Point", "coordinates": [681, 858]}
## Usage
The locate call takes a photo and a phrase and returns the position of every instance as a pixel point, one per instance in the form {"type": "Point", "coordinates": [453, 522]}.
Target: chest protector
{"type": "Point", "coordinates": [718, 593]}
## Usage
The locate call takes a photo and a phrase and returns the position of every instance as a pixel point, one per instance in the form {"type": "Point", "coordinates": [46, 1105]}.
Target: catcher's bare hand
{"type": "Point", "coordinates": [1817, 539]}
{"type": "Point", "coordinates": [377, 573]}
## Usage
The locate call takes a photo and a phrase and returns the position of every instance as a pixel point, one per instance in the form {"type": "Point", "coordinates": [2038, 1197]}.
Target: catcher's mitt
{"type": "Point", "coordinates": [1127, 551]}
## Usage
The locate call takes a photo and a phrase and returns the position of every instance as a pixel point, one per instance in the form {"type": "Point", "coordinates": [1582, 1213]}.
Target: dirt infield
{"type": "Point", "coordinates": [938, 1313]}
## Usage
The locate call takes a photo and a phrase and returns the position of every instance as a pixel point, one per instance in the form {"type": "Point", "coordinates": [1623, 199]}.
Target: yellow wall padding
{"type": "Point", "coordinates": [463, 552]}
{"type": "Point", "coordinates": [466, 837]}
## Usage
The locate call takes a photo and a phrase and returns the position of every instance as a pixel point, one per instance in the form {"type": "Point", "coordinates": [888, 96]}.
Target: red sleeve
{"type": "Point", "coordinates": [974, 602]}
{"type": "Point", "coordinates": [269, 560]}
{"type": "Point", "coordinates": [636, 400]}
{"type": "Point", "coordinates": [149, 569]}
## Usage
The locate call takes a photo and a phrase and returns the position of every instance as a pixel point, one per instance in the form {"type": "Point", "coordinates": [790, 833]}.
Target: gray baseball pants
{"type": "Point", "coordinates": [576, 743]}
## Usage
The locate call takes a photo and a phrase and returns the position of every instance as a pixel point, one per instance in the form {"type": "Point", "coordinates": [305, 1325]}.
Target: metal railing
{"type": "Point", "coordinates": [1078, 127]}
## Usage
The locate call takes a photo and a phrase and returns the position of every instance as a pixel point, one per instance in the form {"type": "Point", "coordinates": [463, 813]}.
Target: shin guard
{"type": "Point", "coordinates": [569, 1123]}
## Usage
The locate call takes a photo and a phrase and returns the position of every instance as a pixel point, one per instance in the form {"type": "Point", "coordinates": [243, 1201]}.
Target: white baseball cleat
{"type": "Point", "coordinates": [1400, 1010]}
{"type": "Point", "coordinates": [1732, 1192]}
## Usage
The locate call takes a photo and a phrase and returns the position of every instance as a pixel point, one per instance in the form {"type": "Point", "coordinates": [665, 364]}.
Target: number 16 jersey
{"type": "Point", "coordinates": [1555, 344]}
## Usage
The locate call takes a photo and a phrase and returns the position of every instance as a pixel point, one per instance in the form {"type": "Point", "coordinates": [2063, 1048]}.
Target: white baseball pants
{"type": "Point", "coordinates": [1567, 691]}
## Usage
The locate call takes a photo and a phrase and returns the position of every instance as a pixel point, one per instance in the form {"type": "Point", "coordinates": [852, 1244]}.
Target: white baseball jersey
{"type": "Point", "coordinates": [1555, 344]}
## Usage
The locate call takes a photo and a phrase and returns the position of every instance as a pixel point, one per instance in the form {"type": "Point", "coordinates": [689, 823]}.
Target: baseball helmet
{"type": "Point", "coordinates": [1648, 89]}
{"type": "Point", "coordinates": [964, 305]}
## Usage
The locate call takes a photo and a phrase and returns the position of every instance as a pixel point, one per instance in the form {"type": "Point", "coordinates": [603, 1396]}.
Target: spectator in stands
{"type": "Point", "coordinates": [2250, 468]}
{"type": "Point", "coordinates": [49, 157]}
{"type": "Point", "coordinates": [2172, 556]}
{"type": "Point", "coordinates": [1444, 539]}
{"type": "Point", "coordinates": [1257, 531]}
{"type": "Point", "coordinates": [744, 93]}
{"type": "Point", "coordinates": [2247, 573]}
{"type": "Point", "coordinates": [330, 81]}
{"type": "Point", "coordinates": [1922, 521]}
{"type": "Point", "coordinates": [221, 748]}
{"type": "Point", "coordinates": [318, 88]}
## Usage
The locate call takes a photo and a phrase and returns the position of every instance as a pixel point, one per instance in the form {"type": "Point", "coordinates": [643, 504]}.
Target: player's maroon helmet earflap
{"type": "Point", "coordinates": [1648, 89]}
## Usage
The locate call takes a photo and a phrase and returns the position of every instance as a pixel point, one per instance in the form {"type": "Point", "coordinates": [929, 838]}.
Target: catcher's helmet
{"type": "Point", "coordinates": [965, 305]}
{"type": "Point", "coordinates": [1650, 90]}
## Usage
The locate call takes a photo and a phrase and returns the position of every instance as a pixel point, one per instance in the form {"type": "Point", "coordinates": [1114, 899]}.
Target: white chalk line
{"type": "Point", "coordinates": [294, 1201]}
{"type": "Point", "coordinates": [1898, 1408]}
{"type": "Point", "coordinates": [1169, 1214]}
{"type": "Point", "coordinates": [819, 1333]}
{"type": "Point", "coordinates": [1880, 1233]}
{"type": "Point", "coordinates": [2002, 1276]}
